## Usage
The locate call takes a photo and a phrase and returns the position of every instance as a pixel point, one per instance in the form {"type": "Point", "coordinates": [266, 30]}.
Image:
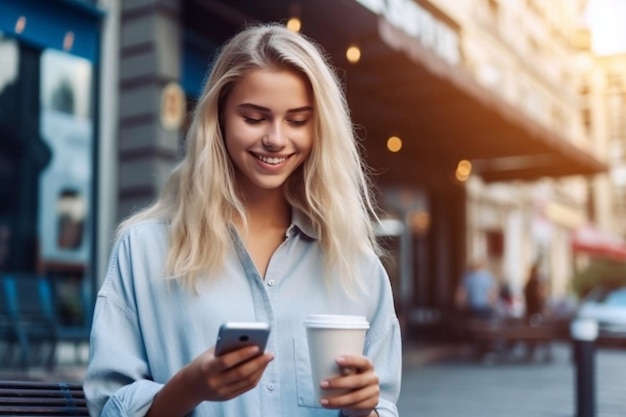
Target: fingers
{"type": "Point", "coordinates": [233, 358]}
{"type": "Point", "coordinates": [357, 362]}
{"type": "Point", "coordinates": [232, 374]}
{"type": "Point", "coordinates": [245, 370]}
{"type": "Point", "coordinates": [365, 398]}
{"type": "Point", "coordinates": [358, 381]}
{"type": "Point", "coordinates": [228, 390]}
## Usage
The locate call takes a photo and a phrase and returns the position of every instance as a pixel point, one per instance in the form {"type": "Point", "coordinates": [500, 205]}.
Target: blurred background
{"type": "Point", "coordinates": [496, 130]}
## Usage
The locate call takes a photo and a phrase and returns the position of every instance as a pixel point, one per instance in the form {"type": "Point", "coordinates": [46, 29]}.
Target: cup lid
{"type": "Point", "coordinates": [336, 321]}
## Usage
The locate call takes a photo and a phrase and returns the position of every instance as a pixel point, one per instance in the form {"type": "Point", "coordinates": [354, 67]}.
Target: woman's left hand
{"type": "Point", "coordinates": [359, 378]}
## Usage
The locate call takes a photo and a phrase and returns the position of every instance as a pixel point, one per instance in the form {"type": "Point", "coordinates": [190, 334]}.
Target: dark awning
{"type": "Point", "coordinates": [442, 114]}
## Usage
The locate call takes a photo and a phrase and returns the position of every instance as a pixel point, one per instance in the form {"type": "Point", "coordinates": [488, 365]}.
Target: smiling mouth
{"type": "Point", "coordinates": [271, 160]}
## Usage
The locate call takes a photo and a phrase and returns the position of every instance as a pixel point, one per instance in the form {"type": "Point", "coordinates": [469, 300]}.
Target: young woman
{"type": "Point", "coordinates": [267, 218]}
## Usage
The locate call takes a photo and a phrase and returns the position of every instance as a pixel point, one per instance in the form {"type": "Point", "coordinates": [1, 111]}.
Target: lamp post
{"type": "Point", "coordinates": [584, 333]}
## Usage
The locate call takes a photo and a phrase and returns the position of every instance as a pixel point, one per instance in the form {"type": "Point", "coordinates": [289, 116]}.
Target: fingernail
{"type": "Point", "coordinates": [324, 384]}
{"type": "Point", "coordinates": [341, 359]}
{"type": "Point", "coordinates": [324, 401]}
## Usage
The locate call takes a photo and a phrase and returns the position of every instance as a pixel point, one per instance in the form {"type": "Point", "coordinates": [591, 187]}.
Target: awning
{"type": "Point", "coordinates": [67, 25]}
{"type": "Point", "coordinates": [590, 240]}
{"type": "Point", "coordinates": [442, 114]}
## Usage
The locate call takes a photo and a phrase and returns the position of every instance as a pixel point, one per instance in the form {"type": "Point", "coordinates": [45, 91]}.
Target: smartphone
{"type": "Point", "coordinates": [235, 335]}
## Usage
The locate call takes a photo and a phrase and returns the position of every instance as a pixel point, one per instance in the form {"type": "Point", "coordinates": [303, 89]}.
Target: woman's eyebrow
{"type": "Point", "coordinates": [266, 110]}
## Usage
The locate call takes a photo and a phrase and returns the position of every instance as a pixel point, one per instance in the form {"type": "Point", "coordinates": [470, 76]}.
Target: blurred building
{"type": "Point", "coordinates": [50, 69]}
{"type": "Point", "coordinates": [526, 53]}
{"type": "Point", "coordinates": [604, 88]}
{"type": "Point", "coordinates": [470, 112]}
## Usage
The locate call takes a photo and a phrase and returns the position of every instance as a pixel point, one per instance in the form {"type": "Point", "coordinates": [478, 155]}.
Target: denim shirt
{"type": "Point", "coordinates": [146, 327]}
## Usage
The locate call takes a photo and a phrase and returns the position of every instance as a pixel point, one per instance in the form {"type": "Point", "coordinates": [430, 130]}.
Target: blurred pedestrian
{"type": "Point", "coordinates": [535, 295]}
{"type": "Point", "coordinates": [506, 301]}
{"type": "Point", "coordinates": [534, 299]}
{"type": "Point", "coordinates": [268, 217]}
{"type": "Point", "coordinates": [477, 292]}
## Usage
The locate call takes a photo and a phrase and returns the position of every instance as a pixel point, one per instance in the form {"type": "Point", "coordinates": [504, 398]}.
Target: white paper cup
{"type": "Point", "coordinates": [330, 336]}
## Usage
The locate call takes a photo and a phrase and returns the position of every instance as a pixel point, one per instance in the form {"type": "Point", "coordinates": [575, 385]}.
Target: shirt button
{"type": "Point", "coordinates": [271, 386]}
{"type": "Point", "coordinates": [271, 282]}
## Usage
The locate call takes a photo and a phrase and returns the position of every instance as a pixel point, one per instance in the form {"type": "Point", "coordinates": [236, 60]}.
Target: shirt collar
{"type": "Point", "coordinates": [302, 222]}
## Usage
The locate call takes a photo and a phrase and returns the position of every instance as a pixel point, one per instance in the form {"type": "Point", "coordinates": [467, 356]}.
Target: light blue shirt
{"type": "Point", "coordinates": [479, 285]}
{"type": "Point", "coordinates": [146, 328]}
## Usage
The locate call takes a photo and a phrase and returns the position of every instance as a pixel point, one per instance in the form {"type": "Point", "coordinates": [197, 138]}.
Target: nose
{"type": "Point", "coordinates": [275, 138]}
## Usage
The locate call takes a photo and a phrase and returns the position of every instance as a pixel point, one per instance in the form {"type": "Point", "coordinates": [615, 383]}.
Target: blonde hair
{"type": "Point", "coordinates": [200, 198]}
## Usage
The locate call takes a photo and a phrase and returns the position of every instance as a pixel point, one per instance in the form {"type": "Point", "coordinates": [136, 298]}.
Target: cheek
{"type": "Point", "coordinates": [305, 140]}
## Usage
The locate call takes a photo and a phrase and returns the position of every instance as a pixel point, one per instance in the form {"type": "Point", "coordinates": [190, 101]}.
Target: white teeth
{"type": "Point", "coordinates": [271, 161]}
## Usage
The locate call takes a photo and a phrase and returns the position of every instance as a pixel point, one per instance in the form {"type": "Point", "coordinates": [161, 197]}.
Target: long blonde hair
{"type": "Point", "coordinates": [200, 198]}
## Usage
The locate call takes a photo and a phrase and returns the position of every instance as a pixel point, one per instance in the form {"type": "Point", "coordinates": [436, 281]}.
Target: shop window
{"type": "Point", "coordinates": [70, 219]}
{"type": "Point", "coordinates": [66, 126]}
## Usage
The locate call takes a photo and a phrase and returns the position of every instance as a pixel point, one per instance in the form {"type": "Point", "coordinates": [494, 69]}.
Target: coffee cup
{"type": "Point", "coordinates": [330, 336]}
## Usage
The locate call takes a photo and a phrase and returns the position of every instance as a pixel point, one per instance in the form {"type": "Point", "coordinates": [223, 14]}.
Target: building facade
{"type": "Point", "coordinates": [436, 86]}
{"type": "Point", "coordinates": [469, 114]}
{"type": "Point", "coordinates": [525, 52]}
{"type": "Point", "coordinates": [50, 55]}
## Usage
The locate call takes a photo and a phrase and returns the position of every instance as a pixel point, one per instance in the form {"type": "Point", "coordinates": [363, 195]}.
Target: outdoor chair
{"type": "Point", "coordinates": [29, 319]}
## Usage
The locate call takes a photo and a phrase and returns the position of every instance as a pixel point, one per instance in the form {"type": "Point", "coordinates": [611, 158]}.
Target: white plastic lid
{"type": "Point", "coordinates": [336, 321]}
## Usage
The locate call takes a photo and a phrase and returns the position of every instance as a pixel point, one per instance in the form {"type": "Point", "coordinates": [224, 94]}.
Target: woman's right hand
{"type": "Point", "coordinates": [210, 378]}
{"type": "Point", "coordinates": [221, 378]}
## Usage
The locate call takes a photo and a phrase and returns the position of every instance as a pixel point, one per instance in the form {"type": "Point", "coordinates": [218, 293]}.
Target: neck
{"type": "Point", "coordinates": [267, 210]}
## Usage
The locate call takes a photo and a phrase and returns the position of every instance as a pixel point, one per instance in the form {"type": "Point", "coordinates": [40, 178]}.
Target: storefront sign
{"type": "Point", "coordinates": [419, 23]}
{"type": "Point", "coordinates": [173, 106]}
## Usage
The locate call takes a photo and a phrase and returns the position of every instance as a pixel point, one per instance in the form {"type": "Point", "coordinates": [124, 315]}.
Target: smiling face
{"type": "Point", "coordinates": [268, 128]}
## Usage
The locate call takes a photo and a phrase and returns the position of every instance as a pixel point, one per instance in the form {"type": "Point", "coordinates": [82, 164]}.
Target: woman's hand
{"type": "Point", "coordinates": [359, 378]}
{"type": "Point", "coordinates": [212, 378]}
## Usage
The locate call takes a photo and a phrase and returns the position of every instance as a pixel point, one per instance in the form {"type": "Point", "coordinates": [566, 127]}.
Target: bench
{"type": "Point", "coordinates": [35, 398]}
{"type": "Point", "coordinates": [501, 335]}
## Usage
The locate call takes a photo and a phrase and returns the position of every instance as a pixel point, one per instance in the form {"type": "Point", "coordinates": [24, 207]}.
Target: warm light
{"type": "Point", "coordinates": [353, 53]}
{"type": "Point", "coordinates": [294, 24]}
{"type": "Point", "coordinates": [68, 41]}
{"type": "Point", "coordinates": [20, 25]}
{"type": "Point", "coordinates": [608, 32]}
{"type": "Point", "coordinates": [463, 170]}
{"type": "Point", "coordinates": [419, 221]}
{"type": "Point", "coordinates": [394, 144]}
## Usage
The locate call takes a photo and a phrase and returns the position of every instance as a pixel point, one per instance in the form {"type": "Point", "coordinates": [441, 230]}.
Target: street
{"type": "Point", "coordinates": [459, 387]}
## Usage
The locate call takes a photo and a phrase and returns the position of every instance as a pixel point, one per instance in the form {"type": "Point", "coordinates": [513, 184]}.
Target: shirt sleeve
{"type": "Point", "coordinates": [118, 382]}
{"type": "Point", "coordinates": [384, 347]}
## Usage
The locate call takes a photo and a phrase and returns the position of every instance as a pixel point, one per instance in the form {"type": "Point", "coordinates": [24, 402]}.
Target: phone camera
{"type": "Point", "coordinates": [243, 338]}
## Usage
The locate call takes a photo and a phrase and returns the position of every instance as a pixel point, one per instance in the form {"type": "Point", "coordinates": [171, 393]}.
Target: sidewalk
{"type": "Point", "coordinates": [461, 387]}
{"type": "Point", "coordinates": [68, 369]}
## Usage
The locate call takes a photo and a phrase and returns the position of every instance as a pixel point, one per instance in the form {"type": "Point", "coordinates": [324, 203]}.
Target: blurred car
{"type": "Point", "coordinates": [608, 307]}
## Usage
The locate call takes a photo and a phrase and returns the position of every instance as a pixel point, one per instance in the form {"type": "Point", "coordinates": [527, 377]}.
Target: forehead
{"type": "Point", "coordinates": [272, 88]}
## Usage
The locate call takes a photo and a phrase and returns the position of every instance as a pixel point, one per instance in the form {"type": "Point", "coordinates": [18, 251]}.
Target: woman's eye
{"type": "Point", "coordinates": [298, 122]}
{"type": "Point", "coordinates": [252, 120]}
